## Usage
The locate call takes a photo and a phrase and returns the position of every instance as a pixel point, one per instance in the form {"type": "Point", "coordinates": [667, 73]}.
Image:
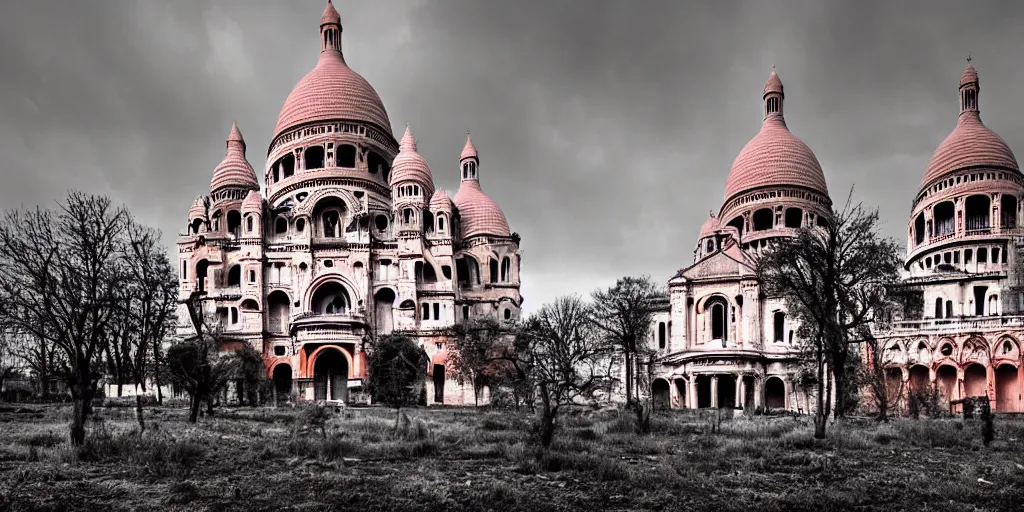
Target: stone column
{"type": "Point", "coordinates": [990, 384]}
{"type": "Point", "coordinates": [691, 395]}
{"type": "Point", "coordinates": [739, 386]}
{"type": "Point", "coordinates": [714, 391]}
{"type": "Point", "coordinates": [787, 386]}
{"type": "Point", "coordinates": [958, 389]}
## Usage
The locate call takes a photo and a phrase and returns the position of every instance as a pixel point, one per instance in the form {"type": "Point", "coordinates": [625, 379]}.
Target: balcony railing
{"type": "Point", "coordinates": [961, 323]}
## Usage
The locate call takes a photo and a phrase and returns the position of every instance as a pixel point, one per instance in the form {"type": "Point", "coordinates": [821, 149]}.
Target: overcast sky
{"type": "Point", "coordinates": [605, 129]}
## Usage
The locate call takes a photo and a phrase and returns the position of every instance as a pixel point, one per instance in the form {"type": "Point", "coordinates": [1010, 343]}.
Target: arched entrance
{"type": "Point", "coordinates": [894, 386]}
{"type": "Point", "coordinates": [438, 383]}
{"type": "Point", "coordinates": [330, 376]}
{"type": "Point", "coordinates": [661, 394]}
{"type": "Point", "coordinates": [975, 381]}
{"type": "Point", "coordinates": [774, 393]}
{"type": "Point", "coordinates": [919, 378]}
{"type": "Point", "coordinates": [703, 391]}
{"type": "Point", "coordinates": [1007, 389]}
{"type": "Point", "coordinates": [282, 383]}
{"type": "Point", "coordinates": [945, 377]}
{"type": "Point", "coordinates": [681, 393]}
{"type": "Point", "coordinates": [726, 392]}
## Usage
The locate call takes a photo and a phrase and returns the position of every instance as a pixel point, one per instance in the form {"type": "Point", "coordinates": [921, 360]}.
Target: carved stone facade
{"type": "Point", "coordinates": [349, 241]}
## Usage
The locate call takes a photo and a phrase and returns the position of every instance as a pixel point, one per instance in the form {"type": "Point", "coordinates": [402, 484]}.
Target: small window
{"type": "Point", "coordinates": [946, 350]}
{"type": "Point", "coordinates": [279, 350]}
{"type": "Point", "coordinates": [437, 311]}
{"type": "Point", "coordinates": [508, 314]}
{"type": "Point", "coordinates": [252, 276]}
{"type": "Point", "coordinates": [234, 316]}
{"type": "Point", "coordinates": [300, 225]}
{"type": "Point", "coordinates": [328, 263]}
{"type": "Point", "coordinates": [968, 255]}
{"type": "Point", "coordinates": [281, 226]}
{"type": "Point", "coordinates": [465, 312]}
{"type": "Point", "coordinates": [982, 255]}
{"type": "Point", "coordinates": [248, 224]}
{"type": "Point", "coordinates": [426, 312]}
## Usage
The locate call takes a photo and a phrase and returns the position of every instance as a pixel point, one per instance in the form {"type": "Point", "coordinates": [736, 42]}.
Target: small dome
{"type": "Point", "coordinates": [332, 91]}
{"type": "Point", "coordinates": [234, 170]}
{"type": "Point", "coordinates": [775, 157]}
{"type": "Point", "coordinates": [969, 76]}
{"type": "Point", "coordinates": [479, 214]}
{"type": "Point", "coordinates": [409, 165]}
{"type": "Point", "coordinates": [197, 210]}
{"type": "Point", "coordinates": [774, 83]}
{"type": "Point", "coordinates": [253, 202]}
{"type": "Point", "coordinates": [440, 201]}
{"type": "Point", "coordinates": [709, 227]}
{"type": "Point", "coordinates": [330, 15]}
{"type": "Point", "coordinates": [470, 150]}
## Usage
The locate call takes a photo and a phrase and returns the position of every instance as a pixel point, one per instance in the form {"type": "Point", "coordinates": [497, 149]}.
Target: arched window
{"type": "Point", "coordinates": [949, 309]}
{"type": "Point", "coordinates": [281, 225]}
{"type": "Point", "coordinates": [506, 269]}
{"type": "Point", "coordinates": [279, 312]}
{"type": "Point", "coordinates": [287, 166]}
{"type": "Point", "coordinates": [779, 325]}
{"type": "Point", "coordinates": [235, 276]}
{"type": "Point", "coordinates": [1008, 211]}
{"type": "Point", "coordinates": [737, 222]}
{"type": "Point", "coordinates": [944, 221]}
{"type": "Point", "coordinates": [300, 225]}
{"type": "Point", "coordinates": [331, 299]}
{"type": "Point", "coordinates": [234, 222]}
{"type": "Point", "coordinates": [201, 272]}
{"type": "Point", "coordinates": [719, 329]}
{"type": "Point", "coordinates": [248, 224]}
{"type": "Point", "coordinates": [407, 216]}
{"type": "Point", "coordinates": [661, 335]}
{"type": "Point", "coordinates": [493, 265]}
{"type": "Point", "coordinates": [440, 223]}
{"type": "Point", "coordinates": [977, 213]}
{"type": "Point", "coordinates": [332, 224]}
{"type": "Point", "coordinates": [425, 315]}
{"type": "Point", "coordinates": [377, 163]}
{"type": "Point", "coordinates": [919, 230]}
{"type": "Point", "coordinates": [938, 307]}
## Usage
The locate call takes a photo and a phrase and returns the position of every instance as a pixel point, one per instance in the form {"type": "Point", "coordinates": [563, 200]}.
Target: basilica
{"type": "Point", "coordinates": [721, 343]}
{"type": "Point", "coordinates": [348, 239]}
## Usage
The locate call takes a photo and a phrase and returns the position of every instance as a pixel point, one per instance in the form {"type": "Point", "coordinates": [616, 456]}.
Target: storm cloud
{"type": "Point", "coordinates": [606, 129]}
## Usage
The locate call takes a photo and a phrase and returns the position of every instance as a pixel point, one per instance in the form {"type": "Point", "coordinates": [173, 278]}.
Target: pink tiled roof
{"type": "Point", "coordinates": [332, 91]}
{"type": "Point", "coordinates": [479, 213]}
{"type": "Point", "coordinates": [440, 201]}
{"type": "Point", "coordinates": [234, 170]}
{"type": "Point", "coordinates": [470, 150]}
{"type": "Point", "coordinates": [709, 227]}
{"type": "Point", "coordinates": [774, 157]}
{"type": "Point", "coordinates": [330, 15]}
{"type": "Point", "coordinates": [253, 202]}
{"type": "Point", "coordinates": [970, 144]}
{"type": "Point", "coordinates": [410, 165]}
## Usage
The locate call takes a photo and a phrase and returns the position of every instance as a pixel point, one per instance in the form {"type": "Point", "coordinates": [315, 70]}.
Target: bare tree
{"type": "Point", "coordinates": [834, 277]}
{"type": "Point", "coordinates": [60, 281]}
{"type": "Point", "coordinates": [884, 392]}
{"type": "Point", "coordinates": [8, 362]}
{"type": "Point", "coordinates": [476, 354]}
{"type": "Point", "coordinates": [398, 370]}
{"type": "Point", "coordinates": [39, 357]}
{"type": "Point", "coordinates": [567, 357]}
{"type": "Point", "coordinates": [200, 364]}
{"type": "Point", "coordinates": [623, 315]}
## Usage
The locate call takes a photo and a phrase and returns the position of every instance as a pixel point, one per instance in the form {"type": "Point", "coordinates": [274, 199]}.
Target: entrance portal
{"type": "Point", "coordinates": [660, 392]}
{"type": "Point", "coordinates": [439, 383]}
{"type": "Point", "coordinates": [1007, 389]}
{"type": "Point", "coordinates": [330, 376]}
{"type": "Point", "coordinates": [283, 383]}
{"type": "Point", "coordinates": [681, 393]}
{"type": "Point", "coordinates": [774, 393]}
{"type": "Point", "coordinates": [975, 381]}
{"type": "Point", "coordinates": [703, 391]}
{"type": "Point", "coordinates": [726, 392]}
{"type": "Point", "coordinates": [749, 385]}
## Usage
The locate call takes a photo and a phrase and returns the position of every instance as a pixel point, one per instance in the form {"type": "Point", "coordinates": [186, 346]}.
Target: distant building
{"type": "Point", "coordinates": [349, 240]}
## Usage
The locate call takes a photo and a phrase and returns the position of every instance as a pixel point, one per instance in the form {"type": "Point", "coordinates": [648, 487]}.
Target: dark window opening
{"type": "Point", "coordinates": [234, 222]}
{"type": "Point", "coordinates": [1008, 211]}
{"type": "Point", "coordinates": [437, 311]}
{"type": "Point", "coordinates": [425, 315]}
{"type": "Point", "coordinates": [314, 157]}
{"type": "Point", "coordinates": [346, 156]}
{"type": "Point", "coordinates": [279, 351]}
{"type": "Point", "coordinates": [938, 307]}
{"type": "Point", "coordinates": [281, 226]}
{"type": "Point", "coordinates": [446, 271]}
{"type": "Point", "coordinates": [779, 325]}
{"type": "Point", "coordinates": [977, 213]}
{"type": "Point", "coordinates": [763, 219]}
{"type": "Point", "coordinates": [737, 223]}
{"type": "Point", "coordinates": [235, 276]}
{"type": "Point", "coordinates": [794, 217]}
{"type": "Point", "coordinates": [661, 335]}
{"type": "Point", "coordinates": [493, 266]}
{"type": "Point", "coordinates": [381, 222]}
{"type": "Point", "coordinates": [944, 222]}
{"type": "Point", "coordinates": [718, 327]}
{"type": "Point", "coordinates": [982, 255]}
{"type": "Point", "coordinates": [287, 166]}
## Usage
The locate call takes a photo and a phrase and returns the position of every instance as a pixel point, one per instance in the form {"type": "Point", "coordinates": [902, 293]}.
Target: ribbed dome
{"type": "Point", "coordinates": [332, 91]}
{"type": "Point", "coordinates": [440, 201]}
{"type": "Point", "coordinates": [197, 210]}
{"type": "Point", "coordinates": [234, 170]}
{"type": "Point", "coordinates": [479, 213]}
{"type": "Point", "coordinates": [775, 157]}
{"type": "Point", "coordinates": [971, 143]}
{"type": "Point", "coordinates": [709, 227]}
{"type": "Point", "coordinates": [253, 202]}
{"type": "Point", "coordinates": [409, 165]}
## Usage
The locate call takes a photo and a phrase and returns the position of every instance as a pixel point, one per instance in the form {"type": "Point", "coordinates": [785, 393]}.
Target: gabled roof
{"type": "Point", "coordinates": [731, 263]}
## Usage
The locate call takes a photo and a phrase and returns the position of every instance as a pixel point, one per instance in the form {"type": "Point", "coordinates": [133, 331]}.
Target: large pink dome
{"type": "Point", "coordinates": [479, 214]}
{"type": "Point", "coordinates": [971, 144]}
{"type": "Point", "coordinates": [775, 157]}
{"type": "Point", "coordinates": [332, 91]}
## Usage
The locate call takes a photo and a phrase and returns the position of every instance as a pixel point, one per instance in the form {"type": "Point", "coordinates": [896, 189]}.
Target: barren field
{"type": "Point", "coordinates": [463, 459]}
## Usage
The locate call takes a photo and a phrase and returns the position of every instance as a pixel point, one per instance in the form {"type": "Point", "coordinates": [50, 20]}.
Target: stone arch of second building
{"type": "Point", "coordinates": [281, 376]}
{"type": "Point", "coordinates": [661, 393]}
{"type": "Point", "coordinates": [329, 381]}
{"type": "Point", "coordinates": [774, 392]}
{"type": "Point", "coordinates": [327, 279]}
{"type": "Point", "coordinates": [1007, 387]}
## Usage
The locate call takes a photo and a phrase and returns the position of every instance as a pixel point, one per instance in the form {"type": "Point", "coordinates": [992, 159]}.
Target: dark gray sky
{"type": "Point", "coordinates": [606, 129]}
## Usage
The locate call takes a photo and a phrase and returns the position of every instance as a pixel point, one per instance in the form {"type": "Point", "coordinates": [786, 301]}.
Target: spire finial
{"type": "Point", "coordinates": [968, 59]}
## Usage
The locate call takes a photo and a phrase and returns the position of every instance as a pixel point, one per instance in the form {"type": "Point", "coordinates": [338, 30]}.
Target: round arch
{"type": "Point", "coordinates": [975, 350]}
{"type": "Point", "coordinates": [306, 207]}
{"type": "Point", "coordinates": [1006, 349]}
{"type": "Point", "coordinates": [348, 285]}
{"type": "Point", "coordinates": [311, 360]}
{"type": "Point", "coordinates": [714, 297]}
{"type": "Point", "coordinates": [661, 393]}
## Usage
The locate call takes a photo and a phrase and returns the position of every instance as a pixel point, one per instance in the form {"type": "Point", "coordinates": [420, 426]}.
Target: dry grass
{"type": "Point", "coordinates": [462, 459]}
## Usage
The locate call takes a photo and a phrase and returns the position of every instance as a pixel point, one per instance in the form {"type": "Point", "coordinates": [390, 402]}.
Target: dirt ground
{"type": "Point", "coordinates": [464, 459]}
